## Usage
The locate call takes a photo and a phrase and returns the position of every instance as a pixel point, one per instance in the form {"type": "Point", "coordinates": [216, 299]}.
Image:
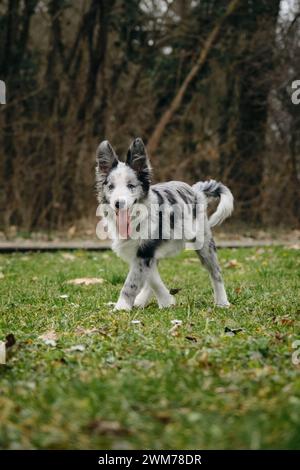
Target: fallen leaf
{"type": "Point", "coordinates": [279, 336]}
{"type": "Point", "coordinates": [173, 331]}
{"type": "Point", "coordinates": [10, 340]}
{"type": "Point", "coordinates": [76, 347]}
{"type": "Point", "coordinates": [287, 321]}
{"type": "Point", "coordinates": [163, 416]}
{"type": "Point", "coordinates": [203, 359]}
{"type": "Point", "coordinates": [233, 263]}
{"type": "Point", "coordinates": [63, 296]}
{"type": "Point", "coordinates": [50, 342]}
{"type": "Point", "coordinates": [49, 338]}
{"type": "Point", "coordinates": [110, 428]}
{"type": "Point", "coordinates": [86, 281]}
{"type": "Point", "coordinates": [175, 291]}
{"type": "Point", "coordinates": [89, 331]}
{"type": "Point", "coordinates": [48, 335]}
{"type": "Point", "coordinates": [232, 331]}
{"type": "Point", "coordinates": [176, 322]}
{"type": "Point", "coordinates": [136, 322]}
{"type": "Point", "coordinates": [191, 338]}
{"type": "Point", "coordinates": [68, 256]}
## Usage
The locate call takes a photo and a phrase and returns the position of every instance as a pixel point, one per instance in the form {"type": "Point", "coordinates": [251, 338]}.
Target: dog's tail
{"type": "Point", "coordinates": [214, 189]}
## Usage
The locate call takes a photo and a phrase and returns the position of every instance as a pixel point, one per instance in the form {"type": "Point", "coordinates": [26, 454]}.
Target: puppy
{"type": "Point", "coordinates": [147, 222]}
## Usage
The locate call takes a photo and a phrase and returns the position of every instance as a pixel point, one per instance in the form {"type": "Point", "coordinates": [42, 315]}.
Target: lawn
{"type": "Point", "coordinates": [82, 377]}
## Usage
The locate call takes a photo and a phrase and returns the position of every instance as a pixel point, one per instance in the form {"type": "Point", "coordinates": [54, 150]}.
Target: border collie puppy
{"type": "Point", "coordinates": [148, 222]}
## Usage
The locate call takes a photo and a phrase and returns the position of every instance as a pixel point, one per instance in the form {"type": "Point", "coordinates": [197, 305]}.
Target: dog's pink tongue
{"type": "Point", "coordinates": [123, 220]}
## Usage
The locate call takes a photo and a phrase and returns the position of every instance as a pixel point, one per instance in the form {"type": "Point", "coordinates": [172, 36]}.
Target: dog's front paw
{"type": "Point", "coordinates": [141, 301]}
{"type": "Point", "coordinates": [122, 304]}
{"type": "Point", "coordinates": [167, 301]}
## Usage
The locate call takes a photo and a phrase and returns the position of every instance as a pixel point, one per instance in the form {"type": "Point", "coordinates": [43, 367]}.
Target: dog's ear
{"type": "Point", "coordinates": [137, 157]}
{"type": "Point", "coordinates": [106, 158]}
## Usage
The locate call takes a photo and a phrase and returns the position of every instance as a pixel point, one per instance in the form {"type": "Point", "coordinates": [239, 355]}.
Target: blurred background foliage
{"type": "Point", "coordinates": [80, 71]}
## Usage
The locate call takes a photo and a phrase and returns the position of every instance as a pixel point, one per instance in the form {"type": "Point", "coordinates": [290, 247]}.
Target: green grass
{"type": "Point", "coordinates": [139, 385]}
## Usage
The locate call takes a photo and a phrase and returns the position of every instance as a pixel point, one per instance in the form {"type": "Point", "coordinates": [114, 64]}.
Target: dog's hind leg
{"type": "Point", "coordinates": [209, 259]}
{"type": "Point", "coordinates": [164, 298]}
{"type": "Point", "coordinates": [144, 297]}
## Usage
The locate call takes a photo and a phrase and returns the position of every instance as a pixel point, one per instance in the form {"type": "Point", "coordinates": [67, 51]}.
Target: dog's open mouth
{"type": "Point", "coordinates": [123, 222]}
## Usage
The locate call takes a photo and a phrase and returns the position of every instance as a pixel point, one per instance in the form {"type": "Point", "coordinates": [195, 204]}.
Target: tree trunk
{"type": "Point", "coordinates": [177, 100]}
{"type": "Point", "coordinates": [243, 142]}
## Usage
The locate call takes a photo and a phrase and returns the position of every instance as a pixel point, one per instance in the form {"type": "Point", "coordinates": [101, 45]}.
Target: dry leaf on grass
{"type": "Point", "coordinates": [233, 263]}
{"type": "Point", "coordinates": [173, 331]}
{"type": "Point", "coordinates": [175, 290]}
{"type": "Point", "coordinates": [76, 348]}
{"type": "Point", "coordinates": [49, 338]}
{"type": "Point", "coordinates": [176, 324]}
{"type": "Point", "coordinates": [110, 428]}
{"type": "Point", "coordinates": [68, 256]}
{"type": "Point", "coordinates": [86, 331]}
{"type": "Point", "coordinates": [279, 336]}
{"type": "Point", "coordinates": [48, 335]}
{"type": "Point", "coordinates": [191, 338]}
{"type": "Point", "coordinates": [287, 321]}
{"type": "Point", "coordinates": [232, 331]}
{"type": "Point", "coordinates": [86, 281]}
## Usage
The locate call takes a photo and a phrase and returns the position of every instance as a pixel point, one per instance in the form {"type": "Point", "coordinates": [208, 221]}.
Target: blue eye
{"type": "Point", "coordinates": [130, 186]}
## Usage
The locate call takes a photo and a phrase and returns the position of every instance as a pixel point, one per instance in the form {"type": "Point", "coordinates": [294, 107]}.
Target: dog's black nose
{"type": "Point", "coordinates": [120, 204]}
